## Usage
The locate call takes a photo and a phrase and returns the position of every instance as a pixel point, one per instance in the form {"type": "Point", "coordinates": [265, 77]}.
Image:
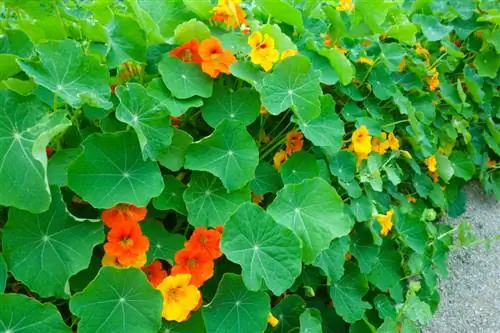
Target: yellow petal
{"type": "Point", "coordinates": [255, 39]}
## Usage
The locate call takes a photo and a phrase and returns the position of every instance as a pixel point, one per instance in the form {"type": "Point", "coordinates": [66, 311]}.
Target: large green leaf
{"type": "Point", "coordinates": [162, 244]}
{"type": "Point", "coordinates": [431, 27]}
{"type": "Point", "coordinates": [173, 156]}
{"type": "Point", "coordinates": [340, 63]}
{"type": "Point", "coordinates": [20, 313]}
{"type": "Point", "coordinates": [208, 203]}
{"type": "Point", "coordinates": [242, 105]}
{"type": "Point", "coordinates": [267, 252]}
{"type": "Point", "coordinates": [386, 271]}
{"type": "Point", "coordinates": [111, 171]}
{"type": "Point", "coordinates": [413, 232]}
{"type": "Point", "coordinates": [332, 260]}
{"type": "Point", "coordinates": [3, 273]}
{"type": "Point", "coordinates": [288, 312]}
{"type": "Point", "coordinates": [283, 11]}
{"type": "Point", "coordinates": [57, 168]}
{"type": "Point", "coordinates": [229, 153]}
{"type": "Point", "coordinates": [127, 41]}
{"type": "Point", "coordinates": [184, 80]}
{"type": "Point", "coordinates": [299, 166]}
{"type": "Point", "coordinates": [118, 300]}
{"type": "Point", "coordinates": [364, 249]}
{"type": "Point", "coordinates": [314, 211]}
{"type": "Point", "coordinates": [293, 84]}
{"type": "Point", "coordinates": [171, 197]}
{"type": "Point", "coordinates": [176, 107]}
{"type": "Point", "coordinates": [236, 309]}
{"type": "Point", "coordinates": [194, 324]}
{"type": "Point", "coordinates": [463, 166]}
{"type": "Point", "coordinates": [347, 294]}
{"type": "Point", "coordinates": [487, 63]}
{"type": "Point", "coordinates": [26, 129]}
{"type": "Point", "coordinates": [148, 118]}
{"type": "Point", "coordinates": [328, 129]}
{"type": "Point", "coordinates": [343, 165]}
{"type": "Point", "coordinates": [70, 74]}
{"type": "Point", "coordinates": [310, 321]}
{"type": "Point", "coordinates": [51, 246]}
{"type": "Point", "coordinates": [266, 179]}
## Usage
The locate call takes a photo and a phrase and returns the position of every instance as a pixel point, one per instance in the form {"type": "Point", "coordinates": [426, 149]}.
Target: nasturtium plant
{"type": "Point", "coordinates": [236, 165]}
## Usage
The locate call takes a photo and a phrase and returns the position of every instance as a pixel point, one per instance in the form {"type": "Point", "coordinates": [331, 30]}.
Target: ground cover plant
{"type": "Point", "coordinates": [237, 166]}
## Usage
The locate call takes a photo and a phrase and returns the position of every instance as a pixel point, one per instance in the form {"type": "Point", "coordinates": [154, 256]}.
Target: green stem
{"type": "Point", "coordinates": [396, 122]}
{"type": "Point", "coordinates": [372, 328]}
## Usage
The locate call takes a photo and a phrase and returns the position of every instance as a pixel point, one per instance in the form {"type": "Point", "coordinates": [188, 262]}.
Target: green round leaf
{"type": "Point", "coordinates": [283, 11]}
{"type": "Point", "coordinates": [343, 165]}
{"type": "Point", "coordinates": [118, 300]}
{"type": "Point", "coordinates": [208, 203]}
{"type": "Point", "coordinates": [171, 197]}
{"type": "Point", "coordinates": [229, 153]}
{"type": "Point", "coordinates": [288, 312]}
{"type": "Point", "coordinates": [332, 260]}
{"type": "Point", "coordinates": [127, 41]}
{"type": "Point", "coordinates": [162, 244]}
{"type": "Point", "coordinates": [70, 74]}
{"type": "Point", "coordinates": [462, 165]}
{"type": "Point", "coordinates": [266, 179]}
{"type": "Point", "coordinates": [194, 324]}
{"type": "Point", "coordinates": [242, 105]}
{"type": "Point", "coordinates": [386, 271]}
{"type": "Point", "coordinates": [26, 129]}
{"type": "Point", "coordinates": [176, 107]}
{"type": "Point", "coordinates": [487, 63]}
{"type": "Point", "coordinates": [413, 232]}
{"type": "Point", "coordinates": [364, 249]}
{"type": "Point", "coordinates": [310, 321]}
{"type": "Point", "coordinates": [57, 169]}
{"type": "Point", "coordinates": [111, 171]}
{"type": "Point", "coordinates": [20, 313]}
{"type": "Point", "coordinates": [314, 211]}
{"type": "Point", "coordinates": [193, 28]}
{"type": "Point", "coordinates": [328, 129]}
{"type": "Point", "coordinates": [3, 274]}
{"type": "Point", "coordinates": [293, 84]}
{"type": "Point", "coordinates": [173, 156]}
{"type": "Point", "coordinates": [51, 246]}
{"type": "Point", "coordinates": [267, 252]}
{"type": "Point", "coordinates": [340, 63]}
{"type": "Point", "coordinates": [347, 294]}
{"type": "Point", "coordinates": [148, 118]}
{"type": "Point", "coordinates": [236, 309]}
{"type": "Point", "coordinates": [431, 27]}
{"type": "Point", "coordinates": [184, 80]}
{"type": "Point", "coordinates": [299, 166]}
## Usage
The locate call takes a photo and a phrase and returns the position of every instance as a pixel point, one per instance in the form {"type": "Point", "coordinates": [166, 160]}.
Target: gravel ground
{"type": "Point", "coordinates": [470, 297]}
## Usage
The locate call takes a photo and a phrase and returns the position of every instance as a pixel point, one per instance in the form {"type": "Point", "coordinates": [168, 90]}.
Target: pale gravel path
{"type": "Point", "coordinates": [470, 297]}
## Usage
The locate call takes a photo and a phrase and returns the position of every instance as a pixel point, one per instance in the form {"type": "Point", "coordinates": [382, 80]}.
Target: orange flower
{"type": "Point", "coordinates": [155, 272]}
{"type": "Point", "coordinates": [272, 320]}
{"type": "Point", "coordinates": [433, 80]}
{"type": "Point", "coordinates": [123, 214]}
{"type": "Point", "coordinates": [340, 49]}
{"type": "Point", "coordinates": [431, 163]}
{"type": "Point", "coordinates": [215, 59]}
{"type": "Point", "coordinates": [263, 111]}
{"type": "Point", "coordinates": [411, 198]}
{"type": "Point", "coordinates": [279, 158]}
{"type": "Point", "coordinates": [402, 65]}
{"type": "Point", "coordinates": [127, 243]}
{"type": "Point", "coordinates": [230, 13]}
{"type": "Point", "coordinates": [491, 163]}
{"type": "Point", "coordinates": [380, 146]}
{"type": "Point", "coordinates": [205, 240]}
{"type": "Point", "coordinates": [365, 60]}
{"type": "Point", "coordinates": [348, 256]}
{"type": "Point", "coordinates": [327, 40]}
{"type": "Point", "coordinates": [195, 262]}
{"type": "Point", "coordinates": [188, 52]}
{"type": "Point", "coordinates": [294, 142]}
{"type": "Point", "coordinates": [176, 121]}
{"type": "Point", "coordinates": [219, 229]}
{"type": "Point", "coordinates": [109, 260]}
{"type": "Point", "coordinates": [257, 199]}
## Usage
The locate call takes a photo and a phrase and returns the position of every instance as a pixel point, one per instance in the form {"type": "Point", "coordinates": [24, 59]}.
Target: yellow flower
{"type": "Point", "coordinates": [340, 49]}
{"type": "Point", "coordinates": [433, 80]}
{"type": "Point", "coordinates": [345, 6]}
{"type": "Point", "coordinates": [385, 221]}
{"type": "Point", "coordinates": [431, 163]}
{"type": "Point", "coordinates": [361, 141]}
{"type": "Point", "coordinates": [393, 141]}
{"type": "Point", "coordinates": [272, 320]}
{"type": "Point", "coordinates": [288, 53]}
{"type": "Point", "coordinates": [402, 65]}
{"type": "Point", "coordinates": [379, 146]}
{"type": "Point", "coordinates": [365, 60]}
{"type": "Point", "coordinates": [263, 50]}
{"type": "Point", "coordinates": [179, 297]}
{"type": "Point", "coordinates": [279, 158]}
{"type": "Point", "coordinates": [421, 50]}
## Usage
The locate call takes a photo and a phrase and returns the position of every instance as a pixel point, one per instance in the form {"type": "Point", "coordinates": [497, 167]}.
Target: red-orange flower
{"type": "Point", "coordinates": [197, 263]}
{"type": "Point", "coordinates": [123, 214]}
{"type": "Point", "coordinates": [205, 240]}
{"type": "Point", "coordinates": [155, 272]}
{"type": "Point", "coordinates": [188, 52]}
{"type": "Point", "coordinates": [215, 59]}
{"type": "Point", "coordinates": [294, 142]}
{"type": "Point", "coordinates": [220, 228]}
{"type": "Point", "coordinates": [127, 243]}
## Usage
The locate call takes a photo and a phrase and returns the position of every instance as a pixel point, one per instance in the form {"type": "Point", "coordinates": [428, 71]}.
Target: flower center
{"type": "Point", "coordinates": [187, 55]}
{"type": "Point", "coordinates": [192, 262]}
{"type": "Point", "coordinates": [203, 239]}
{"type": "Point", "coordinates": [127, 242]}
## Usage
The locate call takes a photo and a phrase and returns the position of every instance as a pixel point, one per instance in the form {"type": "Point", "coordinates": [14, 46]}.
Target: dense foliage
{"type": "Point", "coordinates": [236, 166]}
